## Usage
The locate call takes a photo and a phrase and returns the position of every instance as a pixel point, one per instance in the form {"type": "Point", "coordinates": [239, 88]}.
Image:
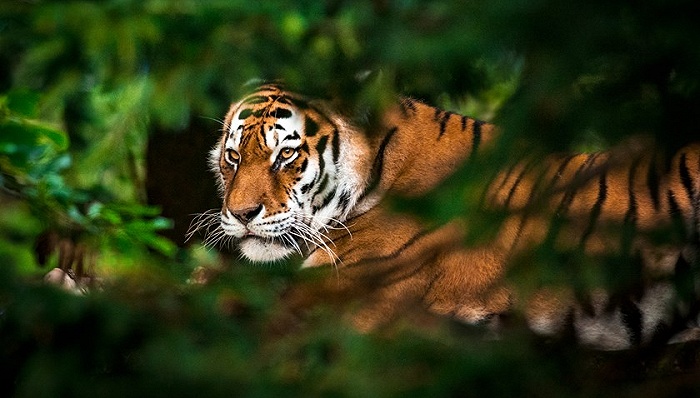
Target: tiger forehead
{"type": "Point", "coordinates": [265, 117]}
{"type": "Point", "coordinates": [265, 109]}
{"type": "Point", "coordinates": [266, 113]}
{"type": "Point", "coordinates": [275, 103]}
{"type": "Point", "coordinates": [262, 124]}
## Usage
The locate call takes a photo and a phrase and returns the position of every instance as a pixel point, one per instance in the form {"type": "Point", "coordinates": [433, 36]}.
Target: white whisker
{"type": "Point", "coordinates": [314, 233]}
{"type": "Point", "coordinates": [297, 229]}
{"type": "Point", "coordinates": [290, 241]}
{"type": "Point", "coordinates": [325, 222]}
{"type": "Point", "coordinates": [219, 121]}
{"type": "Point", "coordinates": [316, 238]}
{"type": "Point", "coordinates": [205, 221]}
{"type": "Point", "coordinates": [321, 245]}
{"type": "Point", "coordinates": [215, 239]}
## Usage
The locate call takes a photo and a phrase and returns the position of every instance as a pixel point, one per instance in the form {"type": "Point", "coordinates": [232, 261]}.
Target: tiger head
{"type": "Point", "coordinates": [288, 169]}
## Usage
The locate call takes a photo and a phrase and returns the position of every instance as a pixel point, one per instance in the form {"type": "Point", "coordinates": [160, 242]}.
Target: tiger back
{"type": "Point", "coordinates": [603, 206]}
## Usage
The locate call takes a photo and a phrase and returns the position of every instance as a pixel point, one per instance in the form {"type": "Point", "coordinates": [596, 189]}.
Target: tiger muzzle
{"type": "Point", "coordinates": [247, 214]}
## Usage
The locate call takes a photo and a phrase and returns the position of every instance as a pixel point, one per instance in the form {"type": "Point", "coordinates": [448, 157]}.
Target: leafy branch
{"type": "Point", "coordinates": [33, 159]}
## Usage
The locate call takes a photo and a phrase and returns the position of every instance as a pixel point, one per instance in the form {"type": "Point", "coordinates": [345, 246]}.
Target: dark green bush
{"type": "Point", "coordinates": [88, 88]}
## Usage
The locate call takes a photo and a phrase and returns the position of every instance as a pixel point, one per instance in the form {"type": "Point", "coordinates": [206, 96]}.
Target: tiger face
{"type": "Point", "coordinates": [288, 171]}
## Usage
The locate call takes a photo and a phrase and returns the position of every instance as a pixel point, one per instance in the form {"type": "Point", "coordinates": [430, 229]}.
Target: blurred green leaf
{"type": "Point", "coordinates": [23, 103]}
{"type": "Point", "coordinates": [51, 135]}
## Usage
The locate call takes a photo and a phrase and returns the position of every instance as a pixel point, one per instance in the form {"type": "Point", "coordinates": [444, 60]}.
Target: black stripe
{"type": "Point", "coordinates": [602, 192]}
{"type": "Point", "coordinates": [653, 184]}
{"type": "Point", "coordinates": [256, 99]}
{"type": "Point", "coordinates": [684, 279]}
{"type": "Point", "coordinates": [310, 127]}
{"type": "Point", "coordinates": [328, 198]}
{"type": "Point", "coordinates": [516, 184]}
{"type": "Point", "coordinates": [305, 188]}
{"type": "Point", "coordinates": [464, 122]}
{"type": "Point", "coordinates": [281, 113]}
{"type": "Point", "coordinates": [568, 329]}
{"type": "Point", "coordinates": [443, 123]}
{"type": "Point", "coordinates": [437, 114]}
{"type": "Point", "coordinates": [296, 199]}
{"type": "Point", "coordinates": [344, 201]}
{"type": "Point", "coordinates": [245, 113]}
{"type": "Point", "coordinates": [531, 200]}
{"type": "Point", "coordinates": [595, 212]}
{"type": "Point", "coordinates": [322, 185]}
{"type": "Point", "coordinates": [510, 171]}
{"type": "Point", "coordinates": [396, 252]}
{"type": "Point", "coordinates": [536, 192]}
{"type": "Point", "coordinates": [632, 318]}
{"type": "Point", "coordinates": [336, 145]}
{"type": "Point", "coordinates": [320, 148]}
{"type": "Point", "coordinates": [280, 127]}
{"type": "Point", "coordinates": [378, 164]}
{"type": "Point", "coordinates": [303, 166]}
{"type": "Point", "coordinates": [631, 215]}
{"type": "Point", "coordinates": [571, 191]}
{"type": "Point", "coordinates": [673, 209]}
{"type": "Point", "coordinates": [686, 179]}
{"type": "Point", "coordinates": [476, 134]}
{"type": "Point", "coordinates": [629, 224]}
{"type": "Point", "coordinates": [557, 175]}
{"type": "Point", "coordinates": [294, 136]}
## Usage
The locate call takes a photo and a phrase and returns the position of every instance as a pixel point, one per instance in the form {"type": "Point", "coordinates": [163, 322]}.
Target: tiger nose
{"type": "Point", "coordinates": [245, 215]}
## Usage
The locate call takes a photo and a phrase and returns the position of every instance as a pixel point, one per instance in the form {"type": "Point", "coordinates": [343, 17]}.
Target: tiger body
{"type": "Point", "coordinates": [611, 203]}
{"type": "Point", "coordinates": [298, 177]}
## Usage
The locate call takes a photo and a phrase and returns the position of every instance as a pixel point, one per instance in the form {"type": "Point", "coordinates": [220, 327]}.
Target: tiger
{"type": "Point", "coordinates": [298, 177]}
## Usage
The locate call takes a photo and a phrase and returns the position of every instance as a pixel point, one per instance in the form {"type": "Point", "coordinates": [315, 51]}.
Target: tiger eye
{"type": "Point", "coordinates": [232, 157]}
{"type": "Point", "coordinates": [287, 153]}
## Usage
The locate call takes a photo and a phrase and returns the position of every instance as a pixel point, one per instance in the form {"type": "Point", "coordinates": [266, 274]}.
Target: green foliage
{"type": "Point", "coordinates": [33, 160]}
{"type": "Point", "coordinates": [86, 82]}
{"type": "Point", "coordinates": [26, 141]}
